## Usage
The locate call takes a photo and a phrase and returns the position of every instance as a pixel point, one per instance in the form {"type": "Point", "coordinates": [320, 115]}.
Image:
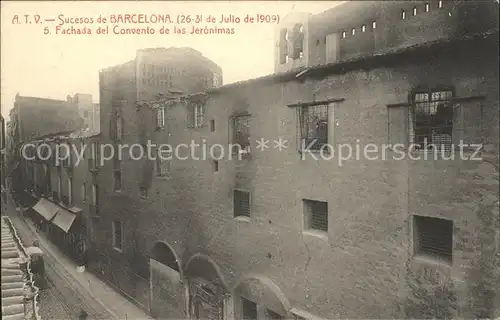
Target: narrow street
{"type": "Point", "coordinates": [67, 292]}
{"type": "Point", "coordinates": [63, 297]}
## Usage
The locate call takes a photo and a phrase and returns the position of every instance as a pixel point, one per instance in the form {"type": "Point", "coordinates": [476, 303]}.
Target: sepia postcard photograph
{"type": "Point", "coordinates": [250, 160]}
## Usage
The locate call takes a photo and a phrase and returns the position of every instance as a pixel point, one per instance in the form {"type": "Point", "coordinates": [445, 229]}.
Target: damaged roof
{"type": "Point", "coordinates": [18, 292]}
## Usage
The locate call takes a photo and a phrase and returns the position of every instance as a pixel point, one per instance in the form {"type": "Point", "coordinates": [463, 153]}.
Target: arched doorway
{"type": "Point", "coordinates": [209, 297]}
{"type": "Point", "coordinates": [257, 297]}
{"type": "Point", "coordinates": [167, 299]}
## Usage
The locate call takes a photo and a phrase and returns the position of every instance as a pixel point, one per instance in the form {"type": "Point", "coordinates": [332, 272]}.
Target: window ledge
{"type": "Point", "coordinates": [163, 177]}
{"type": "Point", "coordinates": [118, 191]}
{"type": "Point", "coordinates": [316, 234]}
{"type": "Point", "coordinates": [242, 219]}
{"type": "Point", "coordinates": [117, 249]}
{"type": "Point", "coordinates": [427, 259]}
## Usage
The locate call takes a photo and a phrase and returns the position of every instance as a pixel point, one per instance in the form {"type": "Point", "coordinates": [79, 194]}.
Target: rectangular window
{"type": "Point", "coordinates": [215, 80]}
{"type": "Point", "coordinates": [313, 127]}
{"type": "Point", "coordinates": [248, 309]}
{"type": "Point", "coordinates": [241, 203]}
{"type": "Point", "coordinates": [162, 164]}
{"type": "Point", "coordinates": [433, 237]}
{"type": "Point", "coordinates": [59, 184]}
{"type": "Point", "coordinates": [118, 235]}
{"type": "Point", "coordinates": [70, 192]}
{"type": "Point", "coordinates": [315, 215]}
{"type": "Point", "coordinates": [93, 159]}
{"type": "Point", "coordinates": [95, 199]}
{"type": "Point", "coordinates": [196, 113]}
{"type": "Point", "coordinates": [430, 122]}
{"type": "Point", "coordinates": [160, 117]}
{"type": "Point", "coordinates": [241, 133]}
{"type": "Point", "coordinates": [212, 125]}
{"type": "Point", "coordinates": [215, 164]}
{"type": "Point", "coordinates": [119, 128]}
{"type": "Point", "coordinates": [117, 180]}
{"type": "Point", "coordinates": [84, 192]}
{"type": "Point", "coordinates": [67, 156]}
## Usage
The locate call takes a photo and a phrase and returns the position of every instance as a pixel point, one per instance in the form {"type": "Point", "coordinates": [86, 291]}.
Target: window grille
{"type": "Point", "coordinates": [431, 120]}
{"type": "Point", "coordinates": [433, 237]}
{"type": "Point", "coordinates": [241, 203]}
{"type": "Point", "coordinates": [312, 127]}
{"type": "Point", "coordinates": [160, 117]}
{"type": "Point", "coordinates": [241, 132]}
{"type": "Point", "coordinates": [316, 215]}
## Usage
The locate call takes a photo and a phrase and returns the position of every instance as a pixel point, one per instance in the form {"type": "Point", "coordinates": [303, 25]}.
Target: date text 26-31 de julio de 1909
{"type": "Point", "coordinates": [80, 25]}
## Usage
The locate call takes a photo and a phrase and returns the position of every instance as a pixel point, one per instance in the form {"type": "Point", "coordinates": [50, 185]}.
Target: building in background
{"type": "Point", "coordinates": [276, 234]}
{"type": "Point", "coordinates": [154, 73]}
{"type": "Point", "coordinates": [87, 110]}
{"type": "Point", "coordinates": [62, 194]}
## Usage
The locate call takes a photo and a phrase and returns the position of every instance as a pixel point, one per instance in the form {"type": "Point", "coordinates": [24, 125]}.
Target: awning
{"type": "Point", "coordinates": [46, 209]}
{"type": "Point", "coordinates": [64, 219]}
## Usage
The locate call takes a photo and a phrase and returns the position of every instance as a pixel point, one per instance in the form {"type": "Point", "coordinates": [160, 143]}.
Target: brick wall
{"type": "Point", "coordinates": [364, 268]}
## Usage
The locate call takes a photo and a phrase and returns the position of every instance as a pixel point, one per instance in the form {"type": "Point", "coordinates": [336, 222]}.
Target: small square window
{"type": "Point", "coordinates": [433, 237]}
{"type": "Point", "coordinates": [143, 193]}
{"type": "Point", "coordinates": [315, 215]}
{"type": "Point", "coordinates": [241, 203]}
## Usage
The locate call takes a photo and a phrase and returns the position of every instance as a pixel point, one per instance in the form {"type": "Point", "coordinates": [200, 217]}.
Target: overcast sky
{"type": "Point", "coordinates": [53, 66]}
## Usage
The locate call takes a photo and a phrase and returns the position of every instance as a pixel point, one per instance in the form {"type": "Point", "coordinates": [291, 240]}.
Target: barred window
{"type": "Point", "coordinates": [241, 133]}
{"type": "Point", "coordinates": [433, 237]}
{"type": "Point", "coordinates": [431, 120]}
{"type": "Point", "coordinates": [241, 203]}
{"type": "Point", "coordinates": [160, 117]}
{"type": "Point", "coordinates": [312, 127]}
{"type": "Point", "coordinates": [315, 215]}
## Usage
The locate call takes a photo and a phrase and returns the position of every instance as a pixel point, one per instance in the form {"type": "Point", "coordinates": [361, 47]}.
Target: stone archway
{"type": "Point", "coordinates": [258, 297]}
{"type": "Point", "coordinates": [166, 289]}
{"type": "Point", "coordinates": [209, 296]}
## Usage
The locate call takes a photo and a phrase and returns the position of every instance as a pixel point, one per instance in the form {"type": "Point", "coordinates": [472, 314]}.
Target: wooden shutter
{"type": "Point", "coordinates": [397, 119]}
{"type": "Point", "coordinates": [468, 122]}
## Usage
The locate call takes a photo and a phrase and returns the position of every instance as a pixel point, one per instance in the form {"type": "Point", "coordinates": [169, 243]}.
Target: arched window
{"type": "Point", "coordinates": [374, 24]}
{"type": "Point", "coordinates": [344, 34]}
{"type": "Point", "coordinates": [415, 11]}
{"type": "Point", "coordinates": [427, 7]}
{"type": "Point", "coordinates": [440, 4]}
{"type": "Point", "coordinates": [363, 28]}
{"type": "Point", "coordinates": [353, 31]}
{"type": "Point", "coordinates": [403, 15]}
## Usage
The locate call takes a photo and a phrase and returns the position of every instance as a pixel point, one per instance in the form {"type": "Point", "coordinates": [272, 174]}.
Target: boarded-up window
{"type": "Point", "coordinates": [433, 237]}
{"type": "Point", "coordinates": [241, 203]}
{"type": "Point", "coordinates": [315, 215]}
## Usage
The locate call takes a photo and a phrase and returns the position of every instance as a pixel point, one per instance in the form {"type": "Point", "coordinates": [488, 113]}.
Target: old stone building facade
{"type": "Point", "coordinates": [283, 233]}
{"type": "Point", "coordinates": [154, 73]}
{"type": "Point", "coordinates": [60, 189]}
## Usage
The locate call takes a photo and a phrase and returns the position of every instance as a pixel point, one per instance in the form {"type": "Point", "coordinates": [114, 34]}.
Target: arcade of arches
{"type": "Point", "coordinates": [201, 292]}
